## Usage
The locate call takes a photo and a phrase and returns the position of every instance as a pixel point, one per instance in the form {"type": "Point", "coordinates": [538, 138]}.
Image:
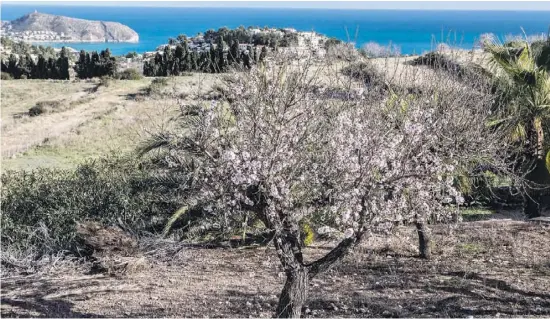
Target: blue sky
{"type": "Point", "coordinates": [398, 5]}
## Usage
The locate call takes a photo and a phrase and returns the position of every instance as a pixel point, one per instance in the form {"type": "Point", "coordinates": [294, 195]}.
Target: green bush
{"type": "Point", "coordinates": [40, 208]}
{"type": "Point", "coordinates": [131, 55]}
{"type": "Point", "coordinates": [130, 74]}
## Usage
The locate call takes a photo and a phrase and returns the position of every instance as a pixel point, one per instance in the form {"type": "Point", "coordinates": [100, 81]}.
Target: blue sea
{"type": "Point", "coordinates": [414, 31]}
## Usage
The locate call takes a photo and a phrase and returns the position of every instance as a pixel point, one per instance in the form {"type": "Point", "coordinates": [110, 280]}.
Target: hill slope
{"type": "Point", "coordinates": [41, 26]}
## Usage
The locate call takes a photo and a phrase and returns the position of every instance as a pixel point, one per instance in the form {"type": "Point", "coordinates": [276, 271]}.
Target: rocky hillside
{"type": "Point", "coordinates": [47, 27]}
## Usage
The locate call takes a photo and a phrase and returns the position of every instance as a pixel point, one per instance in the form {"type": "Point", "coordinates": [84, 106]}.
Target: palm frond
{"type": "Point", "coordinates": [173, 219]}
{"type": "Point", "coordinates": [154, 142]}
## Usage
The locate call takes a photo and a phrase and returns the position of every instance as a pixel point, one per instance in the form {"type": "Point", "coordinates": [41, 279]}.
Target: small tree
{"type": "Point", "coordinates": [63, 64]}
{"type": "Point", "coordinates": [263, 54]}
{"type": "Point", "coordinates": [286, 153]}
{"type": "Point", "coordinates": [13, 66]}
{"type": "Point", "coordinates": [81, 67]}
{"type": "Point", "coordinates": [221, 55]}
{"type": "Point", "coordinates": [53, 72]}
{"type": "Point", "coordinates": [235, 53]}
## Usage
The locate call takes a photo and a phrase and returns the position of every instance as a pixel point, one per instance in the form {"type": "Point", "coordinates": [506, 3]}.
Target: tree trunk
{"type": "Point", "coordinates": [539, 175]}
{"type": "Point", "coordinates": [294, 294]}
{"type": "Point", "coordinates": [541, 178]}
{"type": "Point", "coordinates": [423, 240]}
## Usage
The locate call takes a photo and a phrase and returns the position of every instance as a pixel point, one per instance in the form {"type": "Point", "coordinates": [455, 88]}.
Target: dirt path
{"type": "Point", "coordinates": [498, 268]}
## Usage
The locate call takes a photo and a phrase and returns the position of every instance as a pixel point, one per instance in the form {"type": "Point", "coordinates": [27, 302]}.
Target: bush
{"type": "Point", "coordinates": [44, 107]}
{"type": "Point", "coordinates": [105, 81]}
{"type": "Point", "coordinates": [363, 71]}
{"type": "Point", "coordinates": [156, 86]}
{"type": "Point", "coordinates": [160, 81]}
{"type": "Point", "coordinates": [40, 208]}
{"type": "Point", "coordinates": [131, 55]}
{"type": "Point", "coordinates": [541, 52]}
{"type": "Point", "coordinates": [130, 74]}
{"type": "Point", "coordinates": [37, 110]}
{"type": "Point", "coordinates": [6, 76]}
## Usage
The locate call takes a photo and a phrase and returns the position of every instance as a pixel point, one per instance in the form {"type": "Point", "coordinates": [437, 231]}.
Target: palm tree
{"type": "Point", "coordinates": [524, 107]}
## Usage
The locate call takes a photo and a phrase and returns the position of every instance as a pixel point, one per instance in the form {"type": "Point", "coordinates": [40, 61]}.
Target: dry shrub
{"type": "Point", "coordinates": [365, 72]}
{"type": "Point", "coordinates": [44, 107]}
{"type": "Point", "coordinates": [130, 74]}
{"type": "Point", "coordinates": [105, 81]}
{"type": "Point", "coordinates": [5, 76]}
{"type": "Point", "coordinates": [156, 87]}
{"type": "Point", "coordinates": [113, 249]}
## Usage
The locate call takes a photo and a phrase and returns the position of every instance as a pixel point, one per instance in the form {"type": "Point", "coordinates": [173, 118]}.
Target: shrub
{"type": "Point", "coordinates": [131, 55]}
{"type": "Point", "coordinates": [160, 81]}
{"type": "Point", "coordinates": [130, 74]}
{"type": "Point", "coordinates": [364, 71]}
{"type": "Point", "coordinates": [44, 107]}
{"type": "Point", "coordinates": [6, 76]}
{"type": "Point", "coordinates": [40, 208]}
{"type": "Point", "coordinates": [444, 62]}
{"type": "Point", "coordinates": [37, 110]}
{"type": "Point", "coordinates": [541, 52]}
{"type": "Point", "coordinates": [156, 86]}
{"type": "Point", "coordinates": [105, 81]}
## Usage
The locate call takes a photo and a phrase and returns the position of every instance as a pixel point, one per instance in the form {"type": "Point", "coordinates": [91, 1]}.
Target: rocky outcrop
{"type": "Point", "coordinates": [47, 27]}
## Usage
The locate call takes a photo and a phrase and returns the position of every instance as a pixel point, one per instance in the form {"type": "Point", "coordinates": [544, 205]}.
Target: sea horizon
{"type": "Point", "coordinates": [413, 31]}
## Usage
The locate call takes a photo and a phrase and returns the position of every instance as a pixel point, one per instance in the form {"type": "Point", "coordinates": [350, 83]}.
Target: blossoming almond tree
{"type": "Point", "coordinates": [295, 141]}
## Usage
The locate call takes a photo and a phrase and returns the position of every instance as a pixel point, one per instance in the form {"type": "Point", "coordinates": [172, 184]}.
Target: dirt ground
{"type": "Point", "coordinates": [498, 268]}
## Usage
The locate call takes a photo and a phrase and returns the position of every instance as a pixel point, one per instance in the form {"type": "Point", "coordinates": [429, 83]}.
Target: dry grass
{"type": "Point", "coordinates": [92, 121]}
{"type": "Point", "coordinates": [89, 122]}
{"type": "Point", "coordinates": [491, 268]}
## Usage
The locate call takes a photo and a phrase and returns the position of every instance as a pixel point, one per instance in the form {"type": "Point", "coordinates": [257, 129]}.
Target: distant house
{"type": "Point", "coordinates": [244, 46]}
{"type": "Point", "coordinates": [149, 54]}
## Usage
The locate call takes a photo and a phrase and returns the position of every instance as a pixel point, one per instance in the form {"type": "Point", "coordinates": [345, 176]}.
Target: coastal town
{"type": "Point", "coordinates": [302, 42]}
{"type": "Point", "coordinates": [43, 27]}
{"type": "Point", "coordinates": [33, 36]}
{"type": "Point", "coordinates": [26, 33]}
